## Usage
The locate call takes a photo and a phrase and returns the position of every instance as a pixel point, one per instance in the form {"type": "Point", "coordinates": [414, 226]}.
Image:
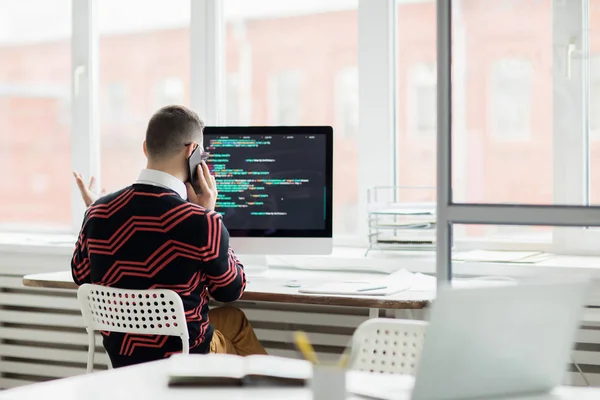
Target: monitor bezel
{"type": "Point", "coordinates": [321, 130]}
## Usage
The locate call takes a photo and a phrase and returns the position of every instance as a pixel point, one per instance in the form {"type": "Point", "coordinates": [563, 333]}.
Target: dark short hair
{"type": "Point", "coordinates": [170, 129]}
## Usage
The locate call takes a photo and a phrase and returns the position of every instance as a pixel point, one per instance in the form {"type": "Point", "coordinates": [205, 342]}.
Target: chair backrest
{"type": "Point", "coordinates": [388, 345]}
{"type": "Point", "coordinates": [155, 311]}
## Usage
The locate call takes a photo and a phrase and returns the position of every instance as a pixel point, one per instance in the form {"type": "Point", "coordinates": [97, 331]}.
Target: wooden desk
{"type": "Point", "coordinates": [271, 287]}
{"type": "Point", "coordinates": [149, 382]}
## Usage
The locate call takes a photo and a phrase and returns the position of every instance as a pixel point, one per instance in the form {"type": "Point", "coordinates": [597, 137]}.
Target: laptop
{"type": "Point", "coordinates": [491, 342]}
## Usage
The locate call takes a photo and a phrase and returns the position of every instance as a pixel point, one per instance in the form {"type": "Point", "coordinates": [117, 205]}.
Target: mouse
{"type": "Point", "coordinates": [292, 283]}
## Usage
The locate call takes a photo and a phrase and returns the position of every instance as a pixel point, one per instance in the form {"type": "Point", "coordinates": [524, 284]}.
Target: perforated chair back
{"type": "Point", "coordinates": [151, 312]}
{"type": "Point", "coordinates": [386, 345]}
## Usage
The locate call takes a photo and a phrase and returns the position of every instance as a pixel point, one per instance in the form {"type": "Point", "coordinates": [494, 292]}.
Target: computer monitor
{"type": "Point", "coordinates": [275, 188]}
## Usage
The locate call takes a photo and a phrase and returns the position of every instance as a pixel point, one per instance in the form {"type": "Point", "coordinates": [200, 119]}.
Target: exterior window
{"type": "Point", "coordinates": [347, 102]}
{"type": "Point", "coordinates": [423, 100]}
{"type": "Point", "coordinates": [510, 103]}
{"type": "Point", "coordinates": [284, 98]}
{"type": "Point", "coordinates": [170, 91]}
{"type": "Point", "coordinates": [115, 106]}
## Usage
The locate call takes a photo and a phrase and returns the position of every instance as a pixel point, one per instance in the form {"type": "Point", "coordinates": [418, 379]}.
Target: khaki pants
{"type": "Point", "coordinates": [233, 333]}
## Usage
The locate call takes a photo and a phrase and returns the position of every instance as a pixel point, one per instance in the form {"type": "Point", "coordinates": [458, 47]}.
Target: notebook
{"type": "Point", "coordinates": [232, 370]}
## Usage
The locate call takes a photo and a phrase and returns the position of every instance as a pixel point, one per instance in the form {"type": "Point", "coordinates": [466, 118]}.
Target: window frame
{"type": "Point", "coordinates": [571, 151]}
{"type": "Point", "coordinates": [207, 58]}
{"type": "Point", "coordinates": [85, 133]}
{"type": "Point", "coordinates": [377, 103]}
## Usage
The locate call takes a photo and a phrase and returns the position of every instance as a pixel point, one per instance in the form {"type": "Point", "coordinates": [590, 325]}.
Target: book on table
{"type": "Point", "coordinates": [233, 370]}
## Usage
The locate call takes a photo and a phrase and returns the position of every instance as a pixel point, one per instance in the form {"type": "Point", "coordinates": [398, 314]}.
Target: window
{"type": "Point", "coordinates": [502, 91]}
{"type": "Point", "coordinates": [285, 92]}
{"type": "Point", "coordinates": [567, 66]}
{"type": "Point", "coordinates": [233, 100]}
{"type": "Point", "coordinates": [35, 144]}
{"type": "Point", "coordinates": [422, 101]}
{"type": "Point", "coordinates": [170, 91]}
{"type": "Point", "coordinates": [416, 106]}
{"type": "Point", "coordinates": [115, 105]}
{"type": "Point", "coordinates": [524, 130]}
{"type": "Point", "coordinates": [347, 102]}
{"type": "Point", "coordinates": [510, 98]}
{"type": "Point", "coordinates": [238, 81]}
{"type": "Point", "coordinates": [503, 103]}
{"type": "Point", "coordinates": [144, 65]}
{"type": "Point", "coordinates": [289, 63]}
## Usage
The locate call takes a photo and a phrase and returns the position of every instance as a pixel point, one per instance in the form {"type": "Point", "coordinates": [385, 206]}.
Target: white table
{"type": "Point", "coordinates": [149, 382]}
{"type": "Point", "coordinates": [271, 287]}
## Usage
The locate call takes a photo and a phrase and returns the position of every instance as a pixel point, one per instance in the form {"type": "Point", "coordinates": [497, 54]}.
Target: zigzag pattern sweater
{"type": "Point", "coordinates": [147, 237]}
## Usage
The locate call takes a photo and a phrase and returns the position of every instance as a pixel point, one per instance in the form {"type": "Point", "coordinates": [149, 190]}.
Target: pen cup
{"type": "Point", "coordinates": [328, 382]}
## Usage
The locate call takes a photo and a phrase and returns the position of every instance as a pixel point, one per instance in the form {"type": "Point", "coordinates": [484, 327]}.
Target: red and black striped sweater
{"type": "Point", "coordinates": [148, 237]}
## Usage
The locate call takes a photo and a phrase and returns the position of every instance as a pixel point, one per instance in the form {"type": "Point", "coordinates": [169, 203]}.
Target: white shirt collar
{"type": "Point", "coordinates": [164, 180]}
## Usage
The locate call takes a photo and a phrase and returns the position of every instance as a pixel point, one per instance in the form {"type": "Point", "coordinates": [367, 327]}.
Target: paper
{"type": "Point", "coordinates": [380, 386]}
{"type": "Point", "coordinates": [226, 368]}
{"type": "Point", "coordinates": [427, 283]}
{"type": "Point", "coordinates": [497, 256]}
{"type": "Point", "coordinates": [207, 365]}
{"type": "Point", "coordinates": [386, 285]}
{"type": "Point", "coordinates": [423, 283]}
{"type": "Point", "coordinates": [353, 289]}
{"type": "Point", "coordinates": [278, 367]}
{"type": "Point", "coordinates": [482, 282]}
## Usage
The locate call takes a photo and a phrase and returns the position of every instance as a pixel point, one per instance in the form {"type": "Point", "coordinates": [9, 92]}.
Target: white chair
{"type": "Point", "coordinates": [387, 345]}
{"type": "Point", "coordinates": [151, 312]}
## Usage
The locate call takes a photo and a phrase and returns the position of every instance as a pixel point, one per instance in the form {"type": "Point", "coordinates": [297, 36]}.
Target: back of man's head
{"type": "Point", "coordinates": [170, 129]}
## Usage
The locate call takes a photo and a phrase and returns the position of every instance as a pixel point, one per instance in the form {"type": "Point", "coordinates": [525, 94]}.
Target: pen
{"type": "Point", "coordinates": [304, 346]}
{"type": "Point", "coordinates": [371, 288]}
{"type": "Point", "coordinates": [346, 358]}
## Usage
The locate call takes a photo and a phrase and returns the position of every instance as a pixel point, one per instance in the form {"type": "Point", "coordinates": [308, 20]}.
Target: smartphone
{"type": "Point", "coordinates": [195, 159]}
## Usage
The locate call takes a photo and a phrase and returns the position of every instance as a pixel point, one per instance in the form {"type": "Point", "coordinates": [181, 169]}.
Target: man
{"type": "Point", "coordinates": [158, 233]}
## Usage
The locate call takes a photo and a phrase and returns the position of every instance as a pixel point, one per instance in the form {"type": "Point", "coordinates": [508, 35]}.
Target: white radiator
{"type": "Point", "coordinates": [42, 335]}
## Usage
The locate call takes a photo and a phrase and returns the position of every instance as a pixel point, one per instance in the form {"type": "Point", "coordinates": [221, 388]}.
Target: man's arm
{"type": "Point", "coordinates": [80, 263]}
{"type": "Point", "coordinates": [225, 275]}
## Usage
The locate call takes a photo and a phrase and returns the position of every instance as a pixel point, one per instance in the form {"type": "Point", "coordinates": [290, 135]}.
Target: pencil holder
{"type": "Point", "coordinates": [328, 382]}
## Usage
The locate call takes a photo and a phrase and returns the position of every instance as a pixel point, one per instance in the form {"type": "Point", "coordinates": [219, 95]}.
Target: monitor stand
{"type": "Point", "coordinates": [254, 265]}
